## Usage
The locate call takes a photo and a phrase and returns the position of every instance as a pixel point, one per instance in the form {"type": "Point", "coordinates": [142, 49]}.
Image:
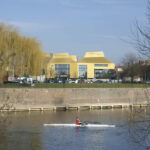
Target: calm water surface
{"type": "Point", "coordinates": [25, 131]}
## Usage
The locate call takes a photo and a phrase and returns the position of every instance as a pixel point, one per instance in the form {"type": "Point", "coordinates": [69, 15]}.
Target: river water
{"type": "Point", "coordinates": [25, 131]}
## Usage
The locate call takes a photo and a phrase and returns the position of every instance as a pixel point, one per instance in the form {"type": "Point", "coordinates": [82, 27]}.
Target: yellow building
{"type": "Point", "coordinates": [62, 65]}
{"type": "Point", "coordinates": [93, 65]}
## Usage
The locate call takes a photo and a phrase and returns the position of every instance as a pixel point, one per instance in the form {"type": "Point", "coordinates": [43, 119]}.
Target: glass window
{"type": "Point", "coordinates": [62, 69]}
{"type": "Point", "coordinates": [104, 73]}
{"type": "Point", "coordinates": [82, 71]}
{"type": "Point", "coordinates": [101, 65]}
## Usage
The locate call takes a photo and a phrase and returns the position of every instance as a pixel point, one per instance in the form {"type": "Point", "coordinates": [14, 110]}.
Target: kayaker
{"type": "Point", "coordinates": [78, 121]}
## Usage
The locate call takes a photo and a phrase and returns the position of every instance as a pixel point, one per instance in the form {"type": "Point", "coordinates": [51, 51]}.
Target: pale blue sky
{"type": "Point", "coordinates": [77, 26]}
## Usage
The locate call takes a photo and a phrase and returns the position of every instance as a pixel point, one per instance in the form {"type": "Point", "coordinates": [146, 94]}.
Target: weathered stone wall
{"type": "Point", "coordinates": [35, 98]}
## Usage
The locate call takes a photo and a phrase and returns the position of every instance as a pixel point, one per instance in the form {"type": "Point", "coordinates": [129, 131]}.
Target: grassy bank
{"type": "Point", "coordinates": [79, 85]}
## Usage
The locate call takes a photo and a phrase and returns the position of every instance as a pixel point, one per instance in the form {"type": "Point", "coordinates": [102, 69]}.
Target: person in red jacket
{"type": "Point", "coordinates": [77, 121]}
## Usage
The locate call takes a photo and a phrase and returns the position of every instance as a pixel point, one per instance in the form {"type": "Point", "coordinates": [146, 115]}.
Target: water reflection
{"type": "Point", "coordinates": [139, 126]}
{"type": "Point", "coordinates": [4, 123]}
{"type": "Point", "coordinates": [26, 130]}
{"type": "Point", "coordinates": [73, 138]}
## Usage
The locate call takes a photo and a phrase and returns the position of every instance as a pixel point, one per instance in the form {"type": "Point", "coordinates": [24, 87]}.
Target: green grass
{"type": "Point", "coordinates": [79, 85]}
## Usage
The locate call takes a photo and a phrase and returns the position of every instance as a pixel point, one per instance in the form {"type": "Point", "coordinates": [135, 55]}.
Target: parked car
{"type": "Point", "coordinates": [60, 81]}
{"type": "Point", "coordinates": [147, 81]}
{"type": "Point", "coordinates": [70, 81]}
{"type": "Point", "coordinates": [66, 81]}
{"type": "Point", "coordinates": [81, 81]}
{"type": "Point", "coordinates": [51, 81]}
{"type": "Point", "coordinates": [46, 81]}
{"type": "Point", "coordinates": [73, 81]}
{"type": "Point", "coordinates": [56, 81]}
{"type": "Point", "coordinates": [19, 81]}
{"type": "Point", "coordinates": [77, 81]}
{"type": "Point", "coordinates": [28, 80]}
{"type": "Point", "coordinates": [35, 81]}
{"type": "Point", "coordinates": [89, 81]}
{"type": "Point", "coordinates": [98, 81]}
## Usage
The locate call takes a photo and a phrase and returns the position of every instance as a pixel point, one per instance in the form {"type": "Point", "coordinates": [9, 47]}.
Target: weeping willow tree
{"type": "Point", "coordinates": [19, 55]}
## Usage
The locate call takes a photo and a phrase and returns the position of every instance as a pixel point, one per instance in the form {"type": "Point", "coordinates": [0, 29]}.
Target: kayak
{"type": "Point", "coordinates": [81, 125]}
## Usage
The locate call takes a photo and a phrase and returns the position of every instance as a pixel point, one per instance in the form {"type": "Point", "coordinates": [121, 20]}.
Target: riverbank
{"type": "Point", "coordinates": [28, 99]}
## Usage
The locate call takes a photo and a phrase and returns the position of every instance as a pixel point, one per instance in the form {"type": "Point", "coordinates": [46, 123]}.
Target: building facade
{"type": "Point", "coordinates": [92, 65]}
{"type": "Point", "coordinates": [62, 65]}
{"type": "Point", "coordinates": [95, 66]}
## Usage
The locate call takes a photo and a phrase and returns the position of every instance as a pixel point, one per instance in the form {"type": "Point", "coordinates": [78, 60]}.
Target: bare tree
{"type": "Point", "coordinates": [142, 36]}
{"type": "Point", "coordinates": [139, 118]}
{"type": "Point", "coordinates": [131, 65]}
{"type": "Point", "coordinates": [129, 59]}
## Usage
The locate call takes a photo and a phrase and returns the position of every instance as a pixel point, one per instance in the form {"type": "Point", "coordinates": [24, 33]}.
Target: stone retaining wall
{"type": "Point", "coordinates": [26, 98]}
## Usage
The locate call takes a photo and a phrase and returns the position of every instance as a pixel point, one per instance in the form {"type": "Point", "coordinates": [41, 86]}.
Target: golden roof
{"type": "Point", "coordinates": [63, 58]}
{"type": "Point", "coordinates": [61, 55]}
{"type": "Point", "coordinates": [95, 57]}
{"type": "Point", "coordinates": [94, 54]}
{"type": "Point", "coordinates": [97, 60]}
